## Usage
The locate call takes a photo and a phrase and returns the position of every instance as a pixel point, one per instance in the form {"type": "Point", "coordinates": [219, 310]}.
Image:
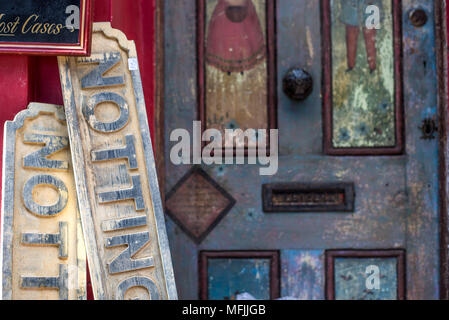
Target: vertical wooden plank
{"type": "Point", "coordinates": [98, 146]}
{"type": "Point", "coordinates": [441, 17]}
{"type": "Point", "coordinates": [298, 44]}
{"type": "Point", "coordinates": [179, 111]}
{"type": "Point", "coordinates": [420, 103]}
{"type": "Point", "coordinates": [135, 19]}
{"type": "Point", "coordinates": [43, 255]}
{"type": "Point", "coordinates": [102, 12]}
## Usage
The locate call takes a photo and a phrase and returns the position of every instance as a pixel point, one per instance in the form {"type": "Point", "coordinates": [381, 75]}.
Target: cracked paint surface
{"type": "Point", "coordinates": [363, 100]}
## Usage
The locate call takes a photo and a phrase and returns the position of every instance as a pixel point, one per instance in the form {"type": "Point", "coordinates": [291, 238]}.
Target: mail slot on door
{"type": "Point", "coordinates": [296, 197]}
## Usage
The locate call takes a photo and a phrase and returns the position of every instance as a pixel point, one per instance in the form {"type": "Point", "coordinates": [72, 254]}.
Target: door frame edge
{"type": "Point", "coordinates": [441, 33]}
{"type": "Point", "coordinates": [159, 120]}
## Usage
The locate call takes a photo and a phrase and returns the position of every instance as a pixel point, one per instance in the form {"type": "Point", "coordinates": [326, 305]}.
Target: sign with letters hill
{"type": "Point", "coordinates": [115, 172]}
{"type": "Point", "coordinates": [46, 27]}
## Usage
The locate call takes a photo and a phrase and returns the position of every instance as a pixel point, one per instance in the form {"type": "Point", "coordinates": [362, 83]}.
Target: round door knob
{"type": "Point", "coordinates": [298, 84]}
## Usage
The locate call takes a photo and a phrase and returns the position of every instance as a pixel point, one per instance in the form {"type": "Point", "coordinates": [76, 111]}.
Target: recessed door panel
{"type": "Point", "coordinates": [236, 64]}
{"type": "Point", "coordinates": [363, 77]}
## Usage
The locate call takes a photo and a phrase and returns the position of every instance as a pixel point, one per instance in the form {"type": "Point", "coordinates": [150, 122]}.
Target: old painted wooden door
{"type": "Point", "coordinates": [353, 210]}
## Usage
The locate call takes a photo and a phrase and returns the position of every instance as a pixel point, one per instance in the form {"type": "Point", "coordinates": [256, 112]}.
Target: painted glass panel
{"type": "Point", "coordinates": [353, 274]}
{"type": "Point", "coordinates": [363, 75]}
{"type": "Point", "coordinates": [236, 73]}
{"type": "Point", "coordinates": [302, 274]}
{"type": "Point", "coordinates": [229, 277]}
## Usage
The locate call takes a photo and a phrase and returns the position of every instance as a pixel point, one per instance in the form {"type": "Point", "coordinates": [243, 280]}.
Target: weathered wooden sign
{"type": "Point", "coordinates": [46, 27]}
{"type": "Point", "coordinates": [118, 193]}
{"type": "Point", "coordinates": [43, 254]}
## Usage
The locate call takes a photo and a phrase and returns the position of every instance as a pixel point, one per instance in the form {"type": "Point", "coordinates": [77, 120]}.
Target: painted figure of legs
{"type": "Point", "coordinates": [352, 37]}
{"type": "Point", "coordinates": [354, 16]}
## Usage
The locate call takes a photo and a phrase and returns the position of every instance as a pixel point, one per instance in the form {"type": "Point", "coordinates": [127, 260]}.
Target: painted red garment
{"type": "Point", "coordinates": [352, 42]}
{"type": "Point", "coordinates": [235, 41]}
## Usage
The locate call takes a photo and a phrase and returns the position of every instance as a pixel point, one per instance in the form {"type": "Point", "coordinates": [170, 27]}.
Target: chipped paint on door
{"type": "Point", "coordinates": [234, 76]}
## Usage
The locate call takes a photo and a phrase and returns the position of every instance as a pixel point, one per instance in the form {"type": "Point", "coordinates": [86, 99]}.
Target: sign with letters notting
{"type": "Point", "coordinates": [115, 171]}
{"type": "Point", "coordinates": [46, 27]}
{"type": "Point", "coordinates": [43, 255]}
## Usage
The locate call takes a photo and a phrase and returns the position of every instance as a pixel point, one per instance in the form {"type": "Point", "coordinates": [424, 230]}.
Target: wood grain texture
{"type": "Point", "coordinates": [43, 254]}
{"type": "Point", "coordinates": [115, 171]}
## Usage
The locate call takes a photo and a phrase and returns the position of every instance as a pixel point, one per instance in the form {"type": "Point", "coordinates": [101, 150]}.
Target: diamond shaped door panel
{"type": "Point", "coordinates": [197, 203]}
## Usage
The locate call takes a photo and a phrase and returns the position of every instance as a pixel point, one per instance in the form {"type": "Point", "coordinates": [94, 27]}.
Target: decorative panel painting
{"type": "Point", "coordinates": [116, 183]}
{"type": "Point", "coordinates": [229, 277]}
{"type": "Point", "coordinates": [362, 65]}
{"type": "Point", "coordinates": [236, 64]}
{"type": "Point", "coordinates": [302, 274]}
{"type": "Point", "coordinates": [42, 246]}
{"type": "Point", "coordinates": [198, 203]}
{"type": "Point", "coordinates": [365, 275]}
{"type": "Point", "coordinates": [224, 275]}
